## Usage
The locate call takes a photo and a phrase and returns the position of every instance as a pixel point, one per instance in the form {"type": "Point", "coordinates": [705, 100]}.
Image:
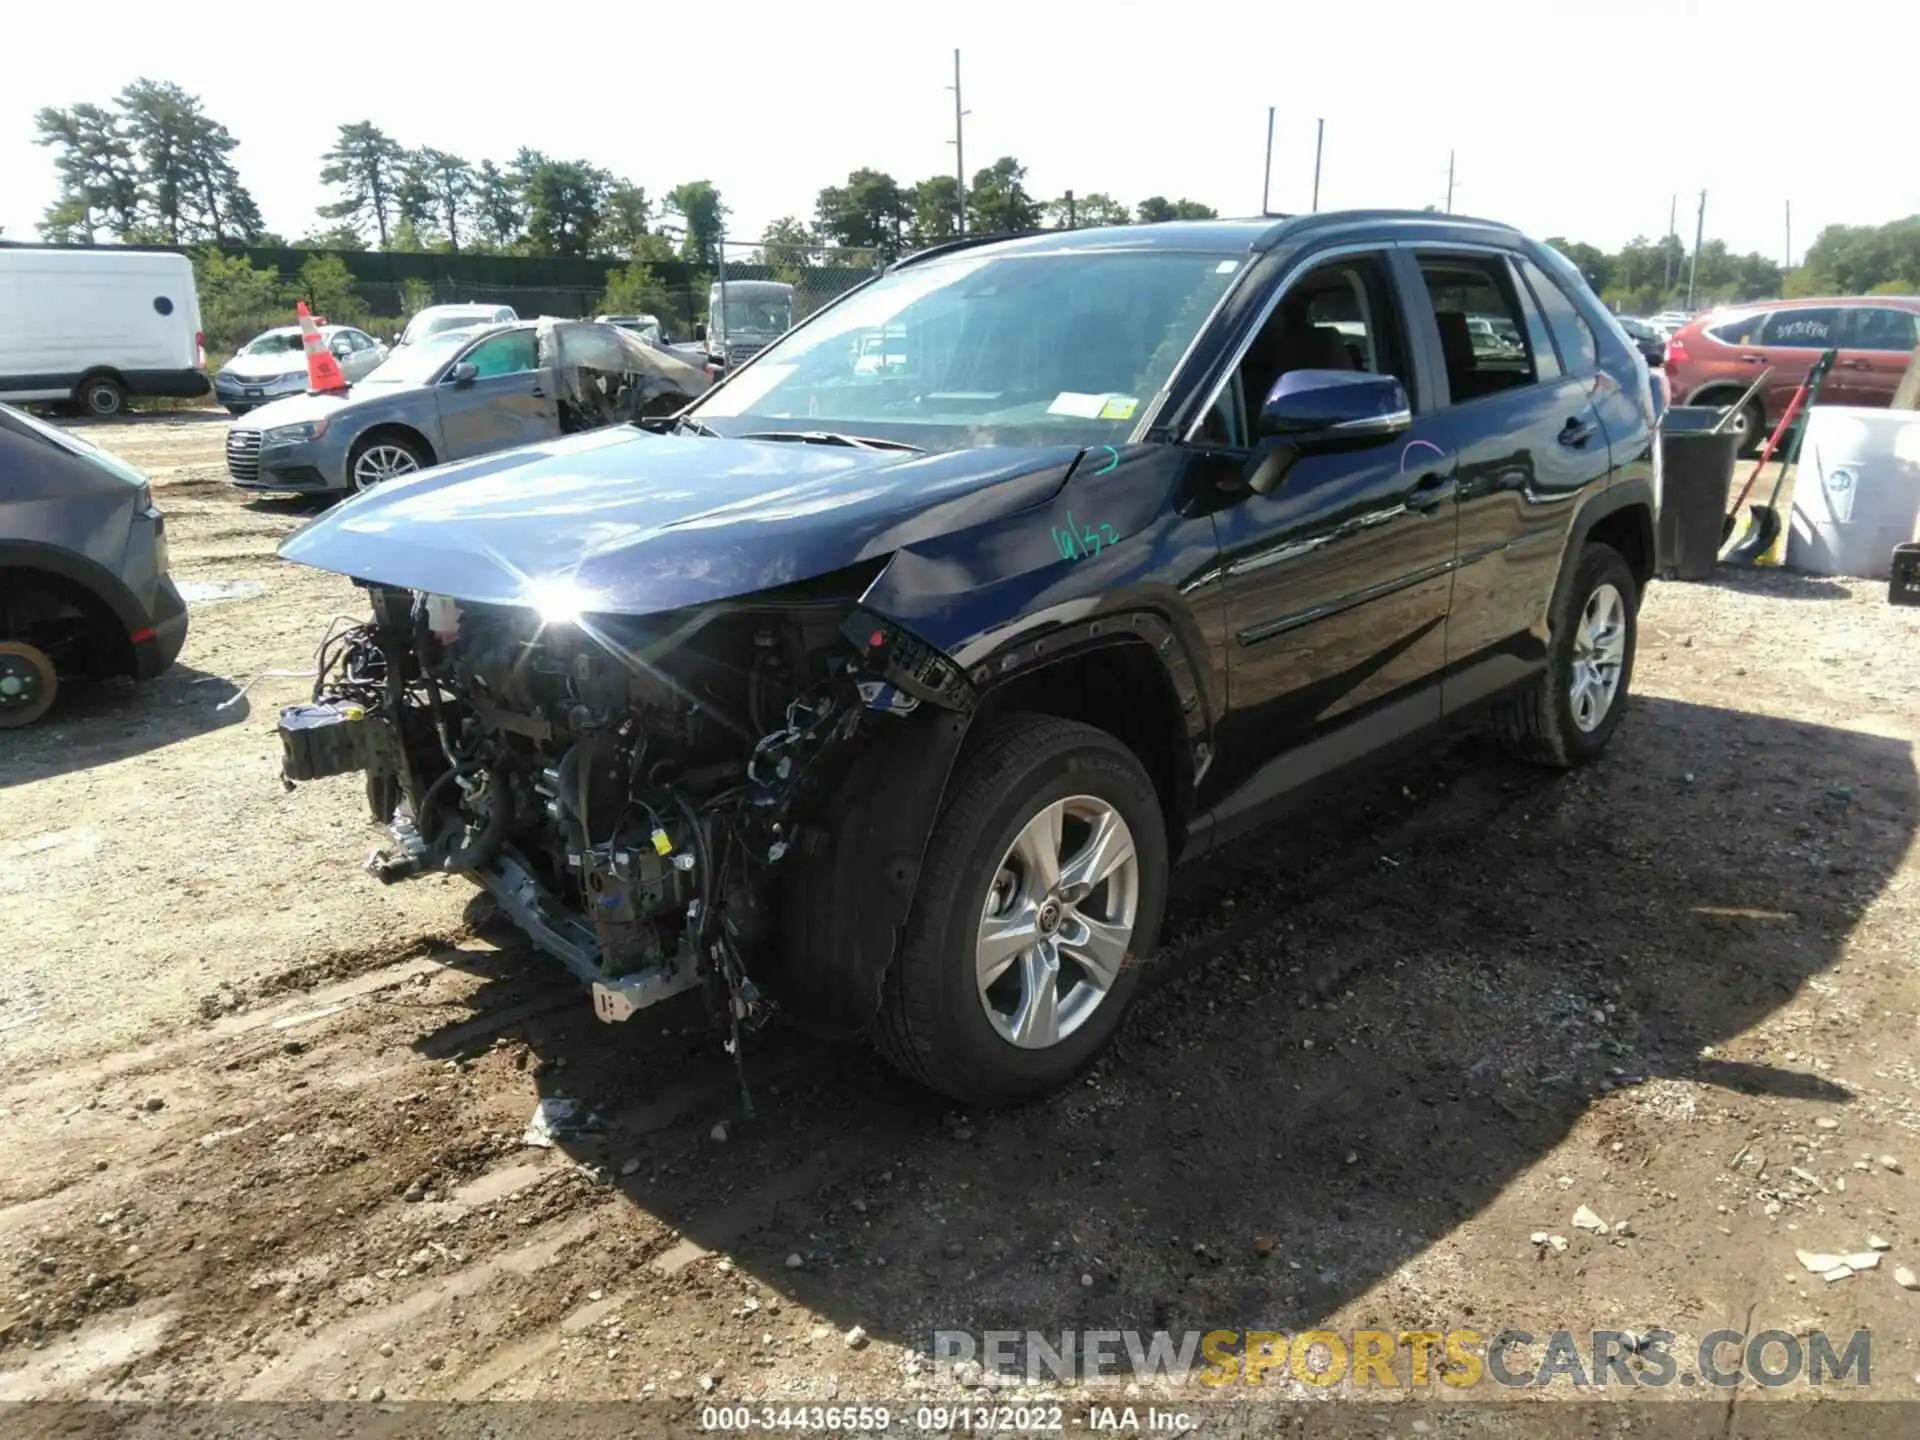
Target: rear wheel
{"type": "Point", "coordinates": [1569, 713]}
{"type": "Point", "coordinates": [100, 396]}
{"type": "Point", "coordinates": [1042, 893]}
{"type": "Point", "coordinates": [28, 684]}
{"type": "Point", "coordinates": [1749, 428]}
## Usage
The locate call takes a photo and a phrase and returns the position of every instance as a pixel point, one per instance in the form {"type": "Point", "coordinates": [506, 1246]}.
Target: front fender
{"type": "Point", "coordinates": [850, 892]}
{"type": "Point", "coordinates": [1108, 552]}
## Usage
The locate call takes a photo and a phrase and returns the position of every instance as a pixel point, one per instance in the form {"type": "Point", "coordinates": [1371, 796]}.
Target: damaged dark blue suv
{"type": "Point", "coordinates": [884, 686]}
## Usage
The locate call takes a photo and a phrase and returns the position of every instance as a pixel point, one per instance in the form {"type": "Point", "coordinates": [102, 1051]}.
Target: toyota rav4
{"type": "Point", "coordinates": [887, 696]}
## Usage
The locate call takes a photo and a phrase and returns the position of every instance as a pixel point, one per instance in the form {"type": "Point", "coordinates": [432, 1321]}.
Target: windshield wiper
{"type": "Point", "coordinates": [834, 437]}
{"type": "Point", "coordinates": [687, 422]}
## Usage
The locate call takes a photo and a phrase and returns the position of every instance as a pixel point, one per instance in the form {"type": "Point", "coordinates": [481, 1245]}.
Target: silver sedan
{"type": "Point", "coordinates": [457, 395]}
{"type": "Point", "coordinates": [273, 365]}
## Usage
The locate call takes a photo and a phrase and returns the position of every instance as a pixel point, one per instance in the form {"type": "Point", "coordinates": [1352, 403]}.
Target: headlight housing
{"type": "Point", "coordinates": [299, 434]}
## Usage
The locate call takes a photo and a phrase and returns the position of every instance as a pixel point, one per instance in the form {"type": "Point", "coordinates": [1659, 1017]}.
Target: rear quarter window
{"type": "Point", "coordinates": [1738, 329]}
{"type": "Point", "coordinates": [1572, 335]}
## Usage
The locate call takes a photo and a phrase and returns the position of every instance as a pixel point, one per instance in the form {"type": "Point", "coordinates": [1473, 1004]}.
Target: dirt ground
{"type": "Point", "coordinates": [261, 1119]}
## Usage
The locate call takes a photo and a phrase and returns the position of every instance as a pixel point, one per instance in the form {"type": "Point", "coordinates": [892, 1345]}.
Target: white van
{"type": "Point", "coordinates": [96, 326]}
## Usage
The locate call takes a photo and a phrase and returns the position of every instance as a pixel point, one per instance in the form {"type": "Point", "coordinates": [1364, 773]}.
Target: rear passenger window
{"type": "Point", "coordinates": [1579, 351]}
{"type": "Point", "coordinates": [1483, 339]}
{"type": "Point", "coordinates": [1804, 328]}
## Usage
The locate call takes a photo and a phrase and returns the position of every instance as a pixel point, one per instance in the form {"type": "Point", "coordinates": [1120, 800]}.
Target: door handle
{"type": "Point", "coordinates": [1432, 492]}
{"type": "Point", "coordinates": [1753, 359]}
{"type": "Point", "coordinates": [1576, 433]}
{"type": "Point", "coordinates": [537, 393]}
{"type": "Point", "coordinates": [1857, 364]}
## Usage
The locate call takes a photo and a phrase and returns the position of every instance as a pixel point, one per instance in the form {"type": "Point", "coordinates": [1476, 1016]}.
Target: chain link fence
{"type": "Point", "coordinates": [779, 285]}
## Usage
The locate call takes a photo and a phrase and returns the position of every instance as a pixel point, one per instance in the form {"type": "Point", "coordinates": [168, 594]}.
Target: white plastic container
{"type": "Point", "coordinates": [1856, 493]}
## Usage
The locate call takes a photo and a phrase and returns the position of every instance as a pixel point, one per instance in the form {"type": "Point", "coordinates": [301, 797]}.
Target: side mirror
{"type": "Point", "coordinates": [700, 330]}
{"type": "Point", "coordinates": [1326, 408]}
{"type": "Point", "coordinates": [1312, 411]}
{"type": "Point", "coordinates": [342, 349]}
{"type": "Point", "coordinates": [465, 373]}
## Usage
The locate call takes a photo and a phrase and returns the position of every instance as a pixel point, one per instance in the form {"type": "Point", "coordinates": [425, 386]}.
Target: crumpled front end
{"type": "Point", "coordinates": [636, 793]}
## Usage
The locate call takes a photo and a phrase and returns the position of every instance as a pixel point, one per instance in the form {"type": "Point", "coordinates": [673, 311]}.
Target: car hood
{"type": "Point", "coordinates": [265, 367]}
{"type": "Point", "coordinates": [625, 522]}
{"type": "Point", "coordinates": [297, 408]}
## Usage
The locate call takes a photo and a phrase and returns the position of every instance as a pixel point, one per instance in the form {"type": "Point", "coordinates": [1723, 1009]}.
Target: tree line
{"type": "Point", "coordinates": [1645, 276]}
{"type": "Point", "coordinates": [151, 166]}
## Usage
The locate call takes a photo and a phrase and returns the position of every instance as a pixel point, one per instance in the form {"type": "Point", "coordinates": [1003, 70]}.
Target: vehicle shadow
{"type": "Point", "coordinates": [290, 506]}
{"type": "Point", "coordinates": [1779, 584]}
{"type": "Point", "coordinates": [103, 721]}
{"type": "Point", "coordinates": [1366, 1029]}
{"type": "Point", "coordinates": [194, 415]}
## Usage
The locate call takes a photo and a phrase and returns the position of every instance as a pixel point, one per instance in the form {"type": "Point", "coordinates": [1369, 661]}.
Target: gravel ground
{"type": "Point", "coordinates": [263, 1118]}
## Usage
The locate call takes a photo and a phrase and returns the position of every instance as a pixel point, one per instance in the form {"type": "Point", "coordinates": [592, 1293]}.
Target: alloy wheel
{"type": "Point", "coordinates": [382, 462]}
{"type": "Point", "coordinates": [1599, 653]}
{"type": "Point", "coordinates": [1057, 923]}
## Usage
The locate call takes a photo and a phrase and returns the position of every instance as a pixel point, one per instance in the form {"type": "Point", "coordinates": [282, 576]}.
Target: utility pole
{"type": "Point", "coordinates": [1319, 140]}
{"type": "Point", "coordinates": [1789, 264]}
{"type": "Point", "coordinates": [959, 151]}
{"type": "Point", "coordinates": [1449, 182]}
{"type": "Point", "coordinates": [1266, 176]}
{"type": "Point", "coordinates": [1071, 219]}
{"type": "Point", "coordinates": [1699, 231]}
{"type": "Point", "coordinates": [1666, 249]}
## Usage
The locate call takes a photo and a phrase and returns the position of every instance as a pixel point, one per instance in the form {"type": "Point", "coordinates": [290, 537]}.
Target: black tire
{"type": "Point", "coordinates": [1538, 723]}
{"type": "Point", "coordinates": [238, 410]}
{"type": "Point", "coordinates": [390, 439]}
{"type": "Point", "coordinates": [100, 397]}
{"type": "Point", "coordinates": [1754, 433]}
{"type": "Point", "coordinates": [28, 684]}
{"type": "Point", "coordinates": [932, 1023]}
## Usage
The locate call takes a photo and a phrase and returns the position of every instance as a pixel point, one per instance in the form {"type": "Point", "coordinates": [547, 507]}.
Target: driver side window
{"type": "Point", "coordinates": [508, 354]}
{"type": "Point", "coordinates": [1339, 316]}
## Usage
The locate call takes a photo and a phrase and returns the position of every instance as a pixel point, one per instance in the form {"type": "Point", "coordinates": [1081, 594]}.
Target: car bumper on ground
{"type": "Point", "coordinates": [166, 384]}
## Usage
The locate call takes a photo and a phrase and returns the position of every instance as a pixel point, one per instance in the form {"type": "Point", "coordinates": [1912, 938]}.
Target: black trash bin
{"type": "Point", "coordinates": [1696, 467]}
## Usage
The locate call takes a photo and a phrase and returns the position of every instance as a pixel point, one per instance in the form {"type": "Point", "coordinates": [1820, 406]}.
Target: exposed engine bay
{"type": "Point", "coordinates": [626, 788]}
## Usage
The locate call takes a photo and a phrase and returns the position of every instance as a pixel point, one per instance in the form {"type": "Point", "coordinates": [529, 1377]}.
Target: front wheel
{"type": "Point", "coordinates": [28, 684]}
{"type": "Point", "coordinates": [1568, 714]}
{"type": "Point", "coordinates": [380, 458]}
{"type": "Point", "coordinates": [1040, 898]}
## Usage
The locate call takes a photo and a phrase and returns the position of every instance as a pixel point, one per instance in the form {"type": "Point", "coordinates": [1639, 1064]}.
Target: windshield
{"type": "Point", "coordinates": [979, 350]}
{"type": "Point", "coordinates": [422, 326]}
{"type": "Point", "coordinates": [769, 315]}
{"type": "Point", "coordinates": [415, 364]}
{"type": "Point", "coordinates": [274, 342]}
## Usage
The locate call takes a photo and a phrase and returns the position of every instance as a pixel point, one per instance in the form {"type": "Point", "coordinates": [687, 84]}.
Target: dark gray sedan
{"type": "Point", "coordinates": [457, 395]}
{"type": "Point", "coordinates": [84, 589]}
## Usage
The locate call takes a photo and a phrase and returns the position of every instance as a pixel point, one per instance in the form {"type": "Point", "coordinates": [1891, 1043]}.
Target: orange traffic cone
{"type": "Point", "coordinates": [324, 376]}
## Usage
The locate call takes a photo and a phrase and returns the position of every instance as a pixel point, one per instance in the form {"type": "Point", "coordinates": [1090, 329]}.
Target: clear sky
{"type": "Point", "coordinates": [1579, 120]}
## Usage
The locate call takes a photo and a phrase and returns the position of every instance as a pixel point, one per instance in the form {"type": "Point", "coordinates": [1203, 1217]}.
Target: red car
{"type": "Point", "coordinates": [1712, 360]}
